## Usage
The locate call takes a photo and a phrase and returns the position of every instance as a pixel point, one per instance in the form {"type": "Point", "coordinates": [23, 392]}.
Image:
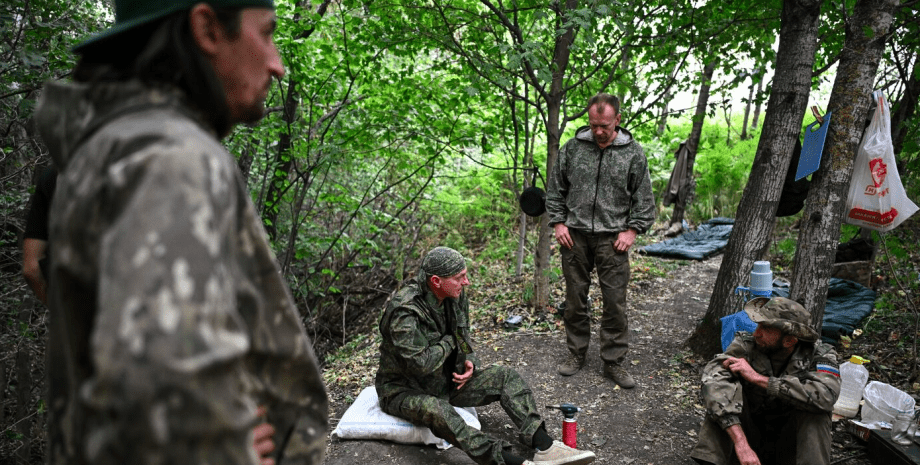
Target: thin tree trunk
{"type": "Point", "coordinates": [663, 117]}
{"type": "Point", "coordinates": [693, 140]}
{"type": "Point", "coordinates": [553, 100]}
{"type": "Point", "coordinates": [747, 111]}
{"type": "Point", "coordinates": [849, 104]}
{"type": "Point", "coordinates": [905, 108]}
{"type": "Point", "coordinates": [757, 209]}
{"type": "Point", "coordinates": [757, 106]}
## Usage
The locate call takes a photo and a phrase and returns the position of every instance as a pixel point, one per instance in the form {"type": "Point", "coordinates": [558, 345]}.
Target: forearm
{"type": "Point", "coordinates": [34, 250]}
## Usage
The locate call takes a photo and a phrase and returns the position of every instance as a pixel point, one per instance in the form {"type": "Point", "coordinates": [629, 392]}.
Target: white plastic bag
{"type": "Point", "coordinates": [883, 402]}
{"type": "Point", "coordinates": [877, 199]}
{"type": "Point", "coordinates": [365, 420]}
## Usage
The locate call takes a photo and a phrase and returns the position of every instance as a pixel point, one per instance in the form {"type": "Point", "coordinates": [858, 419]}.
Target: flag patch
{"type": "Point", "coordinates": [829, 369]}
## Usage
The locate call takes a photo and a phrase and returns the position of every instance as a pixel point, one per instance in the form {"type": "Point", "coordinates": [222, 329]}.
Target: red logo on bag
{"type": "Point", "coordinates": [874, 217]}
{"type": "Point", "coordinates": [879, 170]}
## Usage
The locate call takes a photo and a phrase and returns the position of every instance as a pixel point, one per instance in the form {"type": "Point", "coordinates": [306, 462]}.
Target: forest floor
{"type": "Point", "coordinates": [655, 423]}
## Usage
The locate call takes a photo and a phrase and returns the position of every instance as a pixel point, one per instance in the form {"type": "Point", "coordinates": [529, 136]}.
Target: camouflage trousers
{"type": "Point", "coordinates": [495, 383]}
{"type": "Point", "coordinates": [798, 437]}
{"type": "Point", "coordinates": [588, 251]}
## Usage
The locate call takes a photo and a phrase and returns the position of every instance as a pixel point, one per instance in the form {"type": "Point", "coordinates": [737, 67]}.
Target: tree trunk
{"type": "Point", "coordinates": [849, 104]}
{"type": "Point", "coordinates": [663, 117]}
{"type": "Point", "coordinates": [757, 105]}
{"type": "Point", "coordinates": [757, 209]}
{"type": "Point", "coordinates": [904, 109]}
{"type": "Point", "coordinates": [553, 100]}
{"type": "Point", "coordinates": [747, 111]}
{"type": "Point", "coordinates": [282, 164]}
{"type": "Point", "coordinates": [693, 140]}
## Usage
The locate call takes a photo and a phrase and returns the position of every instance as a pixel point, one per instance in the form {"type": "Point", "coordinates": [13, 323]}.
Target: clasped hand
{"type": "Point", "coordinates": [462, 378]}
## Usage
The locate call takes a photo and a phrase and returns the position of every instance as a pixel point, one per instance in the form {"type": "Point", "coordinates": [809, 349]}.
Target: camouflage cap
{"type": "Point", "coordinates": [784, 314]}
{"type": "Point", "coordinates": [443, 262]}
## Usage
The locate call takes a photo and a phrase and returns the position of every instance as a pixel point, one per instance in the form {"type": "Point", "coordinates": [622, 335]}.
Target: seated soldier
{"type": "Point", "coordinates": [769, 397]}
{"type": "Point", "coordinates": [427, 367]}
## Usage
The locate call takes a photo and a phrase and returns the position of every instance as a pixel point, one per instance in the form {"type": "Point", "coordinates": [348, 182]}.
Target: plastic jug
{"type": "Point", "coordinates": [853, 378]}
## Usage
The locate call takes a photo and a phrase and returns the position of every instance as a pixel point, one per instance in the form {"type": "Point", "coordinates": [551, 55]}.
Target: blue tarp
{"type": "Point", "coordinates": [710, 238]}
{"type": "Point", "coordinates": [847, 304]}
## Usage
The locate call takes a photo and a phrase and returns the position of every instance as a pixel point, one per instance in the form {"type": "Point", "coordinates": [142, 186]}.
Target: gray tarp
{"type": "Point", "coordinates": [710, 238]}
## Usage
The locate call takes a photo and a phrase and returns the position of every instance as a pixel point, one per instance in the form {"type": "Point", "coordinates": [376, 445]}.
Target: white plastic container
{"type": "Point", "coordinates": [853, 378]}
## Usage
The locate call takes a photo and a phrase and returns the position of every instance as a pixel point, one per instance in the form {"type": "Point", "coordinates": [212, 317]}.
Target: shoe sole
{"type": "Point", "coordinates": [582, 461]}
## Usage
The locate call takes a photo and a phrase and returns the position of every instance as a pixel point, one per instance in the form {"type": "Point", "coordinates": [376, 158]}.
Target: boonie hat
{"type": "Point", "coordinates": [133, 13]}
{"type": "Point", "coordinates": [784, 314]}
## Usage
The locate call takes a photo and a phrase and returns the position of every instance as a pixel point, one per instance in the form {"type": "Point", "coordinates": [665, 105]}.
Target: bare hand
{"type": "Point", "coordinates": [625, 240]}
{"type": "Point", "coordinates": [743, 450]}
{"type": "Point", "coordinates": [461, 379]}
{"type": "Point", "coordinates": [264, 443]}
{"type": "Point", "coordinates": [561, 232]}
{"type": "Point", "coordinates": [746, 455]}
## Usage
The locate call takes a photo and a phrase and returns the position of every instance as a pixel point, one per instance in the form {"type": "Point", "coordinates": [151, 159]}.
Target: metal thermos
{"type": "Point", "coordinates": [569, 424]}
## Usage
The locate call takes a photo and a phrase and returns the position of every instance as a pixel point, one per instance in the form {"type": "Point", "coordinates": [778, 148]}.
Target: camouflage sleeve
{"type": "Point", "coordinates": [642, 203]}
{"type": "Point", "coordinates": [817, 389]}
{"type": "Point", "coordinates": [556, 190]}
{"type": "Point", "coordinates": [722, 390]}
{"type": "Point", "coordinates": [168, 344]}
{"type": "Point", "coordinates": [420, 356]}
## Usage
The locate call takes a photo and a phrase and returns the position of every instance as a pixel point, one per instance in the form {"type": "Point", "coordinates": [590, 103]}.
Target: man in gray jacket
{"type": "Point", "coordinates": [598, 199]}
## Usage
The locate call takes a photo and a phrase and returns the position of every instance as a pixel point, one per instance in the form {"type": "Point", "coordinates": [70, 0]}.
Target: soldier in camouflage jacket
{"type": "Point", "coordinates": [170, 323]}
{"type": "Point", "coordinates": [770, 396]}
{"type": "Point", "coordinates": [428, 366]}
{"type": "Point", "coordinates": [599, 197]}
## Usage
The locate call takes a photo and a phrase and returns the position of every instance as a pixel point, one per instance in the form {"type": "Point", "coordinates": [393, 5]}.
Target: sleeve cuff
{"type": "Point", "coordinates": [773, 387]}
{"type": "Point", "coordinates": [728, 420]}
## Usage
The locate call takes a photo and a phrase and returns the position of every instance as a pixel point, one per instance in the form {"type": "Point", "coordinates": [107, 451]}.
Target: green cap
{"type": "Point", "coordinates": [444, 262]}
{"type": "Point", "coordinates": [784, 314]}
{"type": "Point", "coordinates": [133, 13]}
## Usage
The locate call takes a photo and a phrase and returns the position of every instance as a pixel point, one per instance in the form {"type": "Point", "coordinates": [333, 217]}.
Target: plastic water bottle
{"type": "Point", "coordinates": [853, 378]}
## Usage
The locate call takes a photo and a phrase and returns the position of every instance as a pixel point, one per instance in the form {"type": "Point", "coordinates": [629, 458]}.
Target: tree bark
{"type": "Point", "coordinates": [757, 209]}
{"type": "Point", "coordinates": [553, 100]}
{"type": "Point", "coordinates": [696, 131]}
{"type": "Point", "coordinates": [905, 108]}
{"type": "Point", "coordinates": [757, 106]}
{"type": "Point", "coordinates": [849, 104]}
{"type": "Point", "coordinates": [747, 112]}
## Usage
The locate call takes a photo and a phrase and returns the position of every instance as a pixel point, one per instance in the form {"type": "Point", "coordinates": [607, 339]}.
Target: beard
{"type": "Point", "coordinates": [770, 349]}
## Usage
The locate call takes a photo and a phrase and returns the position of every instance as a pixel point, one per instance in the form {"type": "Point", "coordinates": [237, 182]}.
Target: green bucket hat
{"type": "Point", "coordinates": [784, 314]}
{"type": "Point", "coordinates": [133, 13]}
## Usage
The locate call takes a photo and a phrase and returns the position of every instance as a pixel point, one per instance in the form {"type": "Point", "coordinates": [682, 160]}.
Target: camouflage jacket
{"type": "Point", "coordinates": [419, 352]}
{"type": "Point", "coordinates": [601, 190]}
{"type": "Point", "coordinates": [170, 322]}
{"type": "Point", "coordinates": [810, 382]}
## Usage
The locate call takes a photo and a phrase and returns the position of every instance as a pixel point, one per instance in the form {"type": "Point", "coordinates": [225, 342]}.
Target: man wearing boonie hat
{"type": "Point", "coordinates": [428, 367]}
{"type": "Point", "coordinates": [770, 396]}
{"type": "Point", "coordinates": [171, 327]}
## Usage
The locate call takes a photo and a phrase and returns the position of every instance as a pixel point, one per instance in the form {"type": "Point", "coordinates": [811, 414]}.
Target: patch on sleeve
{"type": "Point", "coordinates": [829, 369]}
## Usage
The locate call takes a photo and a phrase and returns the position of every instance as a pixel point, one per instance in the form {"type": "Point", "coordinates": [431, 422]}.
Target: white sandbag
{"type": "Point", "coordinates": [365, 420]}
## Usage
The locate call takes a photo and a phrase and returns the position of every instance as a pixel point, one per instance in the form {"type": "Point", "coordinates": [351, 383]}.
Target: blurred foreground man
{"type": "Point", "coordinates": [427, 367]}
{"type": "Point", "coordinates": [599, 198]}
{"type": "Point", "coordinates": [170, 322]}
{"type": "Point", "coordinates": [770, 396]}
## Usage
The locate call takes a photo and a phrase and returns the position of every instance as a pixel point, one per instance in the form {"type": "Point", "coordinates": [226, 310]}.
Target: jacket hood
{"type": "Point", "coordinates": [69, 113]}
{"type": "Point", "coordinates": [624, 137]}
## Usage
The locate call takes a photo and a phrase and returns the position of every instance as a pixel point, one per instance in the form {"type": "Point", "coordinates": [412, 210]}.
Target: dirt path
{"type": "Point", "coordinates": [655, 423]}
